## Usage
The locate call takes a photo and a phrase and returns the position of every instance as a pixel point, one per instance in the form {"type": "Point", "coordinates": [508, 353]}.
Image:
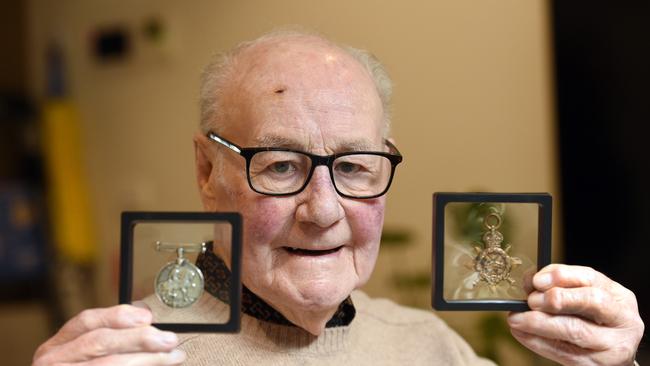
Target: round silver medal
{"type": "Point", "coordinates": [179, 284]}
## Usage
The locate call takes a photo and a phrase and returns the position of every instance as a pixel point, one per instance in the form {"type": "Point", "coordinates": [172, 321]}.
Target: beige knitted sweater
{"type": "Point", "coordinates": [382, 333]}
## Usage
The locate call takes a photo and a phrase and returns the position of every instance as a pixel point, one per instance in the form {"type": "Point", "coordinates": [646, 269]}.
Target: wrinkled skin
{"type": "Point", "coordinates": [579, 317]}
{"type": "Point", "coordinates": [119, 335]}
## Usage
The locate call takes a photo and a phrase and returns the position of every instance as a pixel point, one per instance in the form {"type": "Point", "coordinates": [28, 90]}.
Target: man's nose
{"type": "Point", "coordinates": [320, 204]}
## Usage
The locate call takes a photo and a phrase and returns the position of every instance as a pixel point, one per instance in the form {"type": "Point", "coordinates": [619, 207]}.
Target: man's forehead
{"type": "Point", "coordinates": [288, 93]}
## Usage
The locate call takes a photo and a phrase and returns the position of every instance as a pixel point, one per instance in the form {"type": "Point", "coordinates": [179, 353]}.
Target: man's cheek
{"type": "Point", "coordinates": [264, 221]}
{"type": "Point", "coordinates": [368, 221]}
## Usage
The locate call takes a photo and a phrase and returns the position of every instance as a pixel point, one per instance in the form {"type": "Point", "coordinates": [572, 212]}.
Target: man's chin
{"type": "Point", "coordinates": [312, 308]}
{"type": "Point", "coordinates": [313, 303]}
{"type": "Point", "coordinates": [322, 298]}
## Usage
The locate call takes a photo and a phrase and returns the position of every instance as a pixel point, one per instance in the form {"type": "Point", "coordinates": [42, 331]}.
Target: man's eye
{"type": "Point", "coordinates": [348, 168]}
{"type": "Point", "coordinates": [281, 167]}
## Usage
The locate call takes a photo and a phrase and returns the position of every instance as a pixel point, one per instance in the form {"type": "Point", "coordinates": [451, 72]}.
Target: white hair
{"type": "Point", "coordinates": [219, 71]}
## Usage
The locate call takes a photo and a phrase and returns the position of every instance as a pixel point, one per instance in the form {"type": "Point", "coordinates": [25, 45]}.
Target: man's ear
{"type": "Point", "coordinates": [204, 170]}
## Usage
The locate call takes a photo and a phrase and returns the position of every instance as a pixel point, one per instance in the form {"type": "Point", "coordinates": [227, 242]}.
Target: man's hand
{"type": "Point", "coordinates": [579, 317]}
{"type": "Point", "coordinates": [120, 335]}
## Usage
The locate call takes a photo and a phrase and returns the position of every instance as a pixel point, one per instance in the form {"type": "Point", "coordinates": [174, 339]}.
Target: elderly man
{"type": "Point", "coordinates": [295, 137]}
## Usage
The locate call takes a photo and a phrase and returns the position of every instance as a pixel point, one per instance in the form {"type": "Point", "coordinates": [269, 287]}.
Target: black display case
{"type": "Point", "coordinates": [485, 246]}
{"type": "Point", "coordinates": [155, 244]}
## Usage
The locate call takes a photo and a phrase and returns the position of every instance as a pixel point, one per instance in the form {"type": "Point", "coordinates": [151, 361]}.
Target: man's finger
{"type": "Point", "coordinates": [589, 302]}
{"type": "Point", "coordinates": [106, 341]}
{"type": "Point", "coordinates": [570, 329]}
{"type": "Point", "coordinates": [117, 317]}
{"type": "Point", "coordinates": [562, 275]}
{"type": "Point", "coordinates": [558, 351]}
{"type": "Point", "coordinates": [175, 357]}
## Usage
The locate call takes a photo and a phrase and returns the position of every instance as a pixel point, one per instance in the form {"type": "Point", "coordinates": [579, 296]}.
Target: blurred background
{"type": "Point", "coordinates": [99, 101]}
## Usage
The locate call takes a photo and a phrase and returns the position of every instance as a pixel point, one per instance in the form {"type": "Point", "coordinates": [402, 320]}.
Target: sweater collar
{"type": "Point", "coordinates": [217, 283]}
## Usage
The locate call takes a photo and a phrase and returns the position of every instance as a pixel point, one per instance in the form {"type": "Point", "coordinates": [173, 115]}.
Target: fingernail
{"type": "Point", "coordinates": [535, 300]}
{"type": "Point", "coordinates": [168, 338]}
{"type": "Point", "coordinates": [542, 281]}
{"type": "Point", "coordinates": [515, 318]}
{"type": "Point", "coordinates": [177, 356]}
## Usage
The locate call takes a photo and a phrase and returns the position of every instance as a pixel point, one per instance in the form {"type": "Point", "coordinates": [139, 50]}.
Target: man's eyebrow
{"type": "Point", "coordinates": [278, 141]}
{"type": "Point", "coordinates": [356, 145]}
{"type": "Point", "coordinates": [288, 143]}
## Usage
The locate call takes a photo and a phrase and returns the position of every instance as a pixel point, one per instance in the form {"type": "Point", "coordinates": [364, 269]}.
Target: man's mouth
{"type": "Point", "coordinates": [311, 252]}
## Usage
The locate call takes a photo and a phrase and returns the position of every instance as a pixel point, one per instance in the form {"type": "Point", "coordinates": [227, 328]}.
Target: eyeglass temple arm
{"type": "Point", "coordinates": [393, 147]}
{"type": "Point", "coordinates": [214, 137]}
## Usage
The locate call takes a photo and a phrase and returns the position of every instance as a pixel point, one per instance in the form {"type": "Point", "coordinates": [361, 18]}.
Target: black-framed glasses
{"type": "Point", "coordinates": [278, 171]}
